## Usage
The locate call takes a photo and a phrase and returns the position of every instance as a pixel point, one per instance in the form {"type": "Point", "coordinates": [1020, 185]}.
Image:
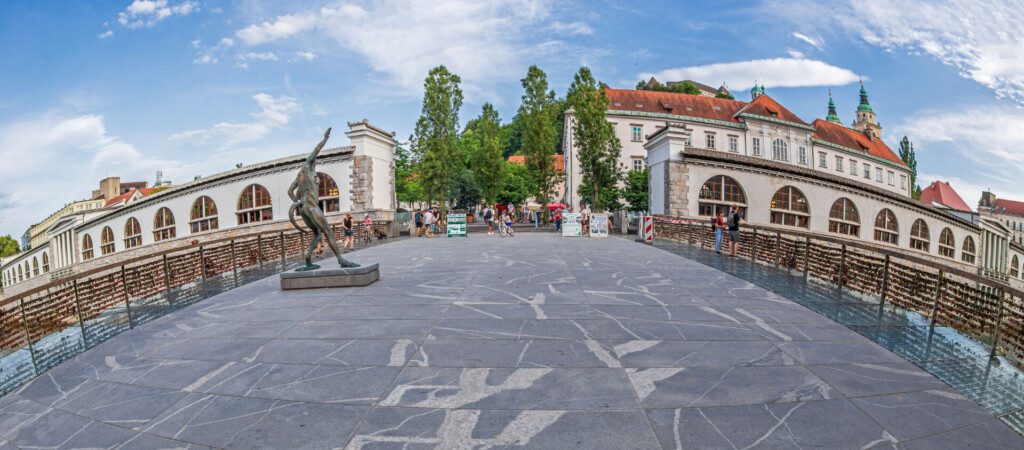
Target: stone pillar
{"type": "Point", "coordinates": [668, 183]}
{"type": "Point", "coordinates": [372, 181]}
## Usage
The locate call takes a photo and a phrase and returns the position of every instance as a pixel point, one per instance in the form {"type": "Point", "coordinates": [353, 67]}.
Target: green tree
{"type": "Point", "coordinates": [635, 191]}
{"type": "Point", "coordinates": [609, 200]}
{"type": "Point", "coordinates": [598, 148]}
{"type": "Point", "coordinates": [540, 135]}
{"type": "Point", "coordinates": [435, 141]}
{"type": "Point", "coordinates": [407, 184]}
{"type": "Point", "coordinates": [910, 158]}
{"type": "Point", "coordinates": [464, 194]}
{"type": "Point", "coordinates": [517, 185]}
{"type": "Point", "coordinates": [8, 246]}
{"type": "Point", "coordinates": [483, 147]}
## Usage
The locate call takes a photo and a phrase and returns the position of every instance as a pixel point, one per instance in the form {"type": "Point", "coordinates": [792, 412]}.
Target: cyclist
{"type": "Point", "coordinates": [506, 221]}
{"type": "Point", "coordinates": [368, 225]}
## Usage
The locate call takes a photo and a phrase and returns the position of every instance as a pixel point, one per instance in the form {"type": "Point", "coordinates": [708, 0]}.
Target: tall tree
{"type": "Point", "coordinates": [407, 184]}
{"type": "Point", "coordinates": [910, 158]}
{"type": "Point", "coordinates": [635, 192]}
{"type": "Point", "coordinates": [598, 148]}
{"type": "Point", "coordinates": [8, 246]}
{"type": "Point", "coordinates": [539, 134]}
{"type": "Point", "coordinates": [435, 141]}
{"type": "Point", "coordinates": [483, 147]}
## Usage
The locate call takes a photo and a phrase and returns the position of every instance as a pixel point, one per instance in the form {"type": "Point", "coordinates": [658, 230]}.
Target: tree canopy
{"type": "Point", "coordinates": [635, 191]}
{"type": "Point", "coordinates": [435, 141]}
{"type": "Point", "coordinates": [8, 246]}
{"type": "Point", "coordinates": [908, 156]}
{"type": "Point", "coordinates": [598, 148]}
{"type": "Point", "coordinates": [538, 112]}
{"type": "Point", "coordinates": [483, 148]}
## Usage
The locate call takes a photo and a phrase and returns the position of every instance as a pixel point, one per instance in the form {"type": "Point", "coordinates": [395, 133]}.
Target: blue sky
{"type": "Point", "coordinates": [127, 88]}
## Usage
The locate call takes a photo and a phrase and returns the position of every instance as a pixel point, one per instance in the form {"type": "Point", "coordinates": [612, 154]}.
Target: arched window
{"type": "Point", "coordinates": [35, 266]}
{"type": "Point", "coordinates": [204, 215]}
{"type": "Point", "coordinates": [886, 228]}
{"type": "Point", "coordinates": [106, 241]}
{"type": "Point", "coordinates": [779, 150]}
{"type": "Point", "coordinates": [86, 248]}
{"type": "Point", "coordinates": [789, 207]}
{"type": "Point", "coordinates": [843, 218]}
{"type": "Point", "coordinates": [163, 225]}
{"type": "Point", "coordinates": [1015, 267]}
{"type": "Point", "coordinates": [28, 271]}
{"type": "Point", "coordinates": [328, 193]}
{"type": "Point", "coordinates": [254, 205]}
{"type": "Point", "coordinates": [132, 233]}
{"type": "Point", "coordinates": [719, 193]}
{"type": "Point", "coordinates": [21, 275]}
{"type": "Point", "coordinates": [947, 243]}
{"type": "Point", "coordinates": [968, 252]}
{"type": "Point", "coordinates": [46, 263]}
{"type": "Point", "coordinates": [919, 239]}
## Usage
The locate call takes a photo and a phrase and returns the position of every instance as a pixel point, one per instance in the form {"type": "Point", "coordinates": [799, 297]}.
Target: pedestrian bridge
{"type": "Point", "coordinates": [536, 341]}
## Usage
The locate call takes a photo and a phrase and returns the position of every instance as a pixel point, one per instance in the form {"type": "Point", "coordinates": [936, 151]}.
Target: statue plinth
{"type": "Point", "coordinates": [330, 278]}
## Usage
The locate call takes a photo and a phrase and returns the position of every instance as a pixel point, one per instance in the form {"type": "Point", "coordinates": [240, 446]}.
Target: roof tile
{"type": "Point", "coordinates": [853, 139]}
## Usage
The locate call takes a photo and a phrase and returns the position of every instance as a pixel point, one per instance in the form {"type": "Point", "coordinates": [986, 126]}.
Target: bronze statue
{"type": "Point", "coordinates": [303, 192]}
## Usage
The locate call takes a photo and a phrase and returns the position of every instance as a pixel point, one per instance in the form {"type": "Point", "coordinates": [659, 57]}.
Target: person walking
{"type": "Point", "coordinates": [428, 222]}
{"type": "Point", "coordinates": [558, 220]}
{"type": "Point", "coordinates": [718, 224]}
{"type": "Point", "coordinates": [419, 223]}
{"type": "Point", "coordinates": [489, 220]}
{"type": "Point", "coordinates": [346, 224]}
{"type": "Point", "coordinates": [735, 218]}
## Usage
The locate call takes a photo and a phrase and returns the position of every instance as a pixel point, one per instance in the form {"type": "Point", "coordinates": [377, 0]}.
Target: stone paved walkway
{"type": "Point", "coordinates": [535, 341]}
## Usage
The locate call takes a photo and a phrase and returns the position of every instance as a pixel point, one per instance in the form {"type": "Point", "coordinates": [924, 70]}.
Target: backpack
{"type": "Point", "coordinates": [734, 220]}
{"type": "Point", "coordinates": [419, 217]}
{"type": "Point", "coordinates": [487, 214]}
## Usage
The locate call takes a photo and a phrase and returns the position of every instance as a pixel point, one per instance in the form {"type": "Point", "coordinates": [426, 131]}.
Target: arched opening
{"type": "Point", "coordinates": [46, 263]}
{"type": "Point", "coordinates": [35, 266]}
{"type": "Point", "coordinates": [204, 215]}
{"type": "Point", "coordinates": [328, 193]}
{"type": "Point", "coordinates": [947, 244]}
{"type": "Point", "coordinates": [132, 233]}
{"type": "Point", "coordinates": [779, 150]}
{"type": "Point", "coordinates": [718, 194]}
{"type": "Point", "coordinates": [87, 248]}
{"type": "Point", "coordinates": [21, 275]}
{"type": "Point", "coordinates": [789, 207]}
{"type": "Point", "coordinates": [1015, 267]}
{"type": "Point", "coordinates": [254, 205]}
{"type": "Point", "coordinates": [843, 218]}
{"type": "Point", "coordinates": [887, 230]}
{"type": "Point", "coordinates": [106, 241]}
{"type": "Point", "coordinates": [163, 224]}
{"type": "Point", "coordinates": [969, 251]}
{"type": "Point", "coordinates": [919, 238]}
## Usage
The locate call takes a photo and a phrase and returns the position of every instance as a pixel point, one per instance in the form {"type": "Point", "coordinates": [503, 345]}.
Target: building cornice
{"type": "Point", "coordinates": [860, 154]}
{"type": "Point", "coordinates": [746, 115]}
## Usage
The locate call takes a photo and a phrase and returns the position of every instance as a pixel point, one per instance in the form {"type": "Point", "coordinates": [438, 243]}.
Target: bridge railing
{"type": "Point", "coordinates": [945, 293]}
{"type": "Point", "coordinates": [46, 325]}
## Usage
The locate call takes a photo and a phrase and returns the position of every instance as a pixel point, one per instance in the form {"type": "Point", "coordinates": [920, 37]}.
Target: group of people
{"type": "Point", "coordinates": [426, 222]}
{"type": "Point", "coordinates": [731, 223]}
{"type": "Point", "coordinates": [495, 219]}
{"type": "Point", "coordinates": [348, 232]}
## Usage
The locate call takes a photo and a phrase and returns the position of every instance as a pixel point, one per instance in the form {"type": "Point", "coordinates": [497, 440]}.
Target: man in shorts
{"type": "Point", "coordinates": [735, 218]}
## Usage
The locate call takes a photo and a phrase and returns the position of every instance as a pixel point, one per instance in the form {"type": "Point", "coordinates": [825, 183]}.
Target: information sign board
{"type": "Point", "coordinates": [599, 225]}
{"type": "Point", "coordinates": [456, 224]}
{"type": "Point", "coordinates": [572, 224]}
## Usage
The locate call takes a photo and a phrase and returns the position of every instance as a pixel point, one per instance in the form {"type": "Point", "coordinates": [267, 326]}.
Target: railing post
{"type": "Point", "coordinates": [127, 298]}
{"type": "Point", "coordinates": [78, 309]}
{"type": "Point", "coordinates": [807, 257]}
{"type": "Point", "coordinates": [938, 296]}
{"type": "Point", "coordinates": [778, 248]}
{"type": "Point", "coordinates": [842, 268]}
{"type": "Point", "coordinates": [282, 251]}
{"type": "Point", "coordinates": [234, 266]}
{"type": "Point", "coordinates": [753, 247]}
{"type": "Point", "coordinates": [999, 322]}
{"type": "Point", "coordinates": [167, 274]}
{"type": "Point", "coordinates": [259, 250]}
{"type": "Point", "coordinates": [28, 337]}
{"type": "Point", "coordinates": [202, 262]}
{"type": "Point", "coordinates": [885, 283]}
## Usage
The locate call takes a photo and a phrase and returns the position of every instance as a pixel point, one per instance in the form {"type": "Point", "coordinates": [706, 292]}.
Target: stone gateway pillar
{"type": "Point", "coordinates": [669, 181]}
{"type": "Point", "coordinates": [372, 181]}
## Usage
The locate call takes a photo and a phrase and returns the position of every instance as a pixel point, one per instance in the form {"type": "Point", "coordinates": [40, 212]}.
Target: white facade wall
{"type": "Point", "coordinates": [24, 262]}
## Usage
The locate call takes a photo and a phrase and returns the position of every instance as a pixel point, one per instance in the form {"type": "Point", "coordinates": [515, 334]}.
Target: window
{"type": "Point", "coordinates": [254, 205]}
{"type": "Point", "coordinates": [734, 144]}
{"type": "Point", "coordinates": [779, 150]}
{"type": "Point", "coordinates": [204, 215]}
{"type": "Point", "coordinates": [968, 252]}
{"type": "Point", "coordinates": [86, 247]}
{"type": "Point", "coordinates": [843, 218]}
{"type": "Point", "coordinates": [867, 171]}
{"type": "Point", "coordinates": [947, 243]}
{"type": "Point", "coordinates": [46, 263]}
{"type": "Point", "coordinates": [803, 156]}
{"type": "Point", "coordinates": [853, 167]}
{"type": "Point", "coordinates": [35, 266]}
{"type": "Point", "coordinates": [903, 181]}
{"type": "Point", "coordinates": [789, 207]}
{"type": "Point", "coordinates": [886, 228]}
{"type": "Point", "coordinates": [709, 139]}
{"type": "Point", "coordinates": [822, 160]}
{"type": "Point", "coordinates": [21, 275]}
{"type": "Point", "coordinates": [892, 178]}
{"type": "Point", "coordinates": [839, 163]}
{"type": "Point", "coordinates": [919, 239]}
{"type": "Point", "coordinates": [638, 164]}
{"type": "Point", "coordinates": [689, 143]}
{"type": "Point", "coordinates": [106, 241]}
{"type": "Point", "coordinates": [132, 233]}
{"type": "Point", "coordinates": [328, 193]}
{"type": "Point", "coordinates": [638, 133]}
{"type": "Point", "coordinates": [878, 174]}
{"type": "Point", "coordinates": [163, 225]}
{"type": "Point", "coordinates": [1015, 267]}
{"type": "Point", "coordinates": [718, 194]}
{"type": "Point", "coordinates": [757, 146]}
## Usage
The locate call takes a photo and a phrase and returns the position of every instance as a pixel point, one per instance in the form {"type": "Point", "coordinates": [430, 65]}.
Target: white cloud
{"type": "Point", "coordinates": [275, 112]}
{"type": "Point", "coordinates": [281, 28]}
{"type": "Point", "coordinates": [572, 28]}
{"type": "Point", "coordinates": [776, 72]}
{"type": "Point", "coordinates": [257, 56]}
{"type": "Point", "coordinates": [105, 34]}
{"type": "Point", "coordinates": [205, 58]}
{"type": "Point", "coordinates": [815, 42]}
{"type": "Point", "coordinates": [210, 55]}
{"type": "Point", "coordinates": [795, 54]}
{"type": "Point", "coordinates": [150, 12]}
{"type": "Point", "coordinates": [226, 42]}
{"type": "Point", "coordinates": [308, 56]}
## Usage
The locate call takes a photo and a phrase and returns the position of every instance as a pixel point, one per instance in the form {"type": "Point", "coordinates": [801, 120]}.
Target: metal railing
{"type": "Point", "coordinates": [46, 325]}
{"type": "Point", "coordinates": [945, 293]}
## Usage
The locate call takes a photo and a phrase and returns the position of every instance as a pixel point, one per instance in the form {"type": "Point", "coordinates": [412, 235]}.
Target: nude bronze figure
{"type": "Point", "coordinates": [303, 192]}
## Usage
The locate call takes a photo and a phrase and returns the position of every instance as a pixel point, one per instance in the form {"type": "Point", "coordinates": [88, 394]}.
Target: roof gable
{"type": "Point", "coordinates": [766, 106]}
{"type": "Point", "coordinates": [942, 193]}
{"type": "Point", "coordinates": [853, 139]}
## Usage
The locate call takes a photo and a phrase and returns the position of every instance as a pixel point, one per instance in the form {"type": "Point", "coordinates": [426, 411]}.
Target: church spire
{"type": "Point", "coordinates": [832, 115]}
{"type": "Point", "coordinates": [864, 105]}
{"type": "Point", "coordinates": [866, 121]}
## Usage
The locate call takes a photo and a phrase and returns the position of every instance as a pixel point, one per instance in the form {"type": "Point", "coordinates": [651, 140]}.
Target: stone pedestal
{"type": "Point", "coordinates": [330, 278]}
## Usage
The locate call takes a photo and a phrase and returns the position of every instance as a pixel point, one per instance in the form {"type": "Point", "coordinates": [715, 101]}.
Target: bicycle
{"type": "Point", "coordinates": [504, 230]}
{"type": "Point", "coordinates": [365, 235]}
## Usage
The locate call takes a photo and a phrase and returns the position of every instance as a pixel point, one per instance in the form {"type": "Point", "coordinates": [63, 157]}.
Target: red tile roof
{"type": "Point", "coordinates": [766, 106]}
{"type": "Point", "coordinates": [520, 159]}
{"type": "Point", "coordinates": [942, 193]}
{"type": "Point", "coordinates": [674, 103]}
{"type": "Point", "coordinates": [1009, 207]}
{"type": "Point", "coordinates": [853, 139]}
{"type": "Point", "coordinates": [127, 195]}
